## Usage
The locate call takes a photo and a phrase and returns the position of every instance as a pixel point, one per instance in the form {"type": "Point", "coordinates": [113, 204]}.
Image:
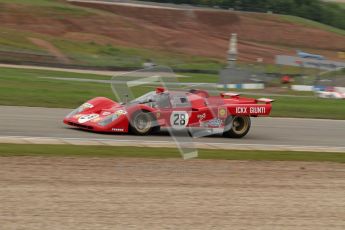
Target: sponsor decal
{"type": "Point", "coordinates": [201, 116]}
{"type": "Point", "coordinates": [120, 112]}
{"type": "Point", "coordinates": [257, 110]}
{"type": "Point", "coordinates": [117, 130]}
{"type": "Point", "coordinates": [96, 119]}
{"type": "Point", "coordinates": [241, 110]}
{"type": "Point", "coordinates": [216, 122]}
{"type": "Point", "coordinates": [88, 117]}
{"type": "Point", "coordinates": [254, 110]}
{"type": "Point", "coordinates": [179, 119]}
{"type": "Point", "coordinates": [222, 112]}
{"type": "Point", "coordinates": [158, 114]}
{"type": "Point", "coordinates": [87, 106]}
{"type": "Point", "coordinates": [106, 113]}
{"type": "Point", "coordinates": [77, 116]}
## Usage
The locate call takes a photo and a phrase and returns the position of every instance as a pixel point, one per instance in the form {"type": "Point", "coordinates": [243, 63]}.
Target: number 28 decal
{"type": "Point", "coordinates": [179, 119]}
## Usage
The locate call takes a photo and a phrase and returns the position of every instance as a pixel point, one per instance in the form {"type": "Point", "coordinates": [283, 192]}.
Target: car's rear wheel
{"type": "Point", "coordinates": [142, 123]}
{"type": "Point", "coordinates": [237, 126]}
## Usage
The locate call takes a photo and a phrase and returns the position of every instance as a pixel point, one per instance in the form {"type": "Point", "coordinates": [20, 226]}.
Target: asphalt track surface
{"type": "Point", "coordinates": [47, 122]}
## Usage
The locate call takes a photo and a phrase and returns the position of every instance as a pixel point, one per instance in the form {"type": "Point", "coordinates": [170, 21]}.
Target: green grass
{"type": "Point", "coordinates": [341, 4]}
{"type": "Point", "coordinates": [7, 150]}
{"type": "Point", "coordinates": [93, 54]}
{"type": "Point", "coordinates": [13, 40]}
{"type": "Point", "coordinates": [26, 88]}
{"type": "Point", "coordinates": [308, 108]}
{"type": "Point", "coordinates": [33, 2]}
{"type": "Point", "coordinates": [200, 78]}
{"type": "Point", "coordinates": [310, 23]}
{"type": "Point", "coordinates": [51, 7]}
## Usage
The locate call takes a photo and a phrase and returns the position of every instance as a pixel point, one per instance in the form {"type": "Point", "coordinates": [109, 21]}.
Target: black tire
{"type": "Point", "coordinates": [156, 129]}
{"type": "Point", "coordinates": [142, 123]}
{"type": "Point", "coordinates": [237, 127]}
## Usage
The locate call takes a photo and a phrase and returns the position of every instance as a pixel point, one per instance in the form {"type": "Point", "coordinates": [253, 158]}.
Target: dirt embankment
{"type": "Point", "coordinates": [192, 32]}
{"type": "Point", "coordinates": [51, 49]}
{"type": "Point", "coordinates": [98, 193]}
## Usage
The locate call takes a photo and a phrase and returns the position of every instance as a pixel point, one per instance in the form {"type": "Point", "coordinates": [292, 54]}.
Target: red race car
{"type": "Point", "coordinates": [178, 110]}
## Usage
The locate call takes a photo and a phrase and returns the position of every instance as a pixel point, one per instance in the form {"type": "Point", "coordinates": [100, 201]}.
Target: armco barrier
{"type": "Point", "coordinates": [302, 87]}
{"type": "Point", "coordinates": [315, 88]}
{"type": "Point", "coordinates": [242, 86]}
{"type": "Point", "coordinates": [340, 89]}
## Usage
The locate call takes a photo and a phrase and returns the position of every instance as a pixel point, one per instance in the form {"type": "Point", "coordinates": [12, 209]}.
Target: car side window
{"type": "Point", "coordinates": [180, 101]}
{"type": "Point", "coordinates": [163, 101]}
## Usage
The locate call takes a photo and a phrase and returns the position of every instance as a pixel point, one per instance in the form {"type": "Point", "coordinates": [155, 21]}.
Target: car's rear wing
{"type": "Point", "coordinates": [264, 100]}
{"type": "Point", "coordinates": [237, 95]}
{"type": "Point", "coordinates": [230, 95]}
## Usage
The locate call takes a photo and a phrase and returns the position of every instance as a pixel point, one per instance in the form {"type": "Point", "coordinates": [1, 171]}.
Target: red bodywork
{"type": "Point", "coordinates": [197, 107]}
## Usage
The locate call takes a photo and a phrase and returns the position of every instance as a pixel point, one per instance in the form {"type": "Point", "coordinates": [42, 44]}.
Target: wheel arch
{"type": "Point", "coordinates": [143, 109]}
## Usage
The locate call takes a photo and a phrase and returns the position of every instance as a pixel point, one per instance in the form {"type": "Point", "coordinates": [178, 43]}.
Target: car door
{"type": "Point", "coordinates": [175, 110]}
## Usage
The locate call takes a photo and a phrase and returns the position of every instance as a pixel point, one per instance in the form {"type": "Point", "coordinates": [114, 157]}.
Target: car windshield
{"type": "Point", "coordinates": [161, 100]}
{"type": "Point", "coordinates": [148, 97]}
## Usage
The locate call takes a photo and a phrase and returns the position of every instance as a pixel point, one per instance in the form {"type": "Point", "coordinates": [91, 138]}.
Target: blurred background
{"type": "Point", "coordinates": [289, 50]}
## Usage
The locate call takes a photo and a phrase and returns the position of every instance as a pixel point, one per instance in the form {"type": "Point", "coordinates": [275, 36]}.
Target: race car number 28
{"type": "Point", "coordinates": [179, 119]}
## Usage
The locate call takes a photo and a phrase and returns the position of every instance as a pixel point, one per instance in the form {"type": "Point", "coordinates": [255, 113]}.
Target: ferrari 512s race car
{"type": "Point", "coordinates": [171, 109]}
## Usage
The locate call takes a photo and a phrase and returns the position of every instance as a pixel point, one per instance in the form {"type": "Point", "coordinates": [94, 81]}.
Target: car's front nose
{"type": "Point", "coordinates": [98, 123]}
{"type": "Point", "coordinates": [73, 121]}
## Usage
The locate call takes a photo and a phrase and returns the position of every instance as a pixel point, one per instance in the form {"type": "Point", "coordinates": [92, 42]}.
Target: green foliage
{"type": "Point", "coordinates": [324, 12]}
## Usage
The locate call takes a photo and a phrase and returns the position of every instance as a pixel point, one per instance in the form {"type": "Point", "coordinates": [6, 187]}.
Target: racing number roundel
{"type": "Point", "coordinates": [179, 119]}
{"type": "Point", "coordinates": [87, 117]}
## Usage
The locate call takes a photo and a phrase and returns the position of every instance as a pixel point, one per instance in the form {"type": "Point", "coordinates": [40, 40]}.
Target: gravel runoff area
{"type": "Point", "coordinates": [129, 193]}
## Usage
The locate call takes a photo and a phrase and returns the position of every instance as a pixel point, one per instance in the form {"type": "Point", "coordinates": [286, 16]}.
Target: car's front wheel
{"type": "Point", "coordinates": [237, 126]}
{"type": "Point", "coordinates": [141, 123]}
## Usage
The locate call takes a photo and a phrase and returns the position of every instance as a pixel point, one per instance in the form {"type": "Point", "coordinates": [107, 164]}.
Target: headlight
{"type": "Point", "coordinates": [107, 120]}
{"type": "Point", "coordinates": [74, 112]}
{"type": "Point", "coordinates": [80, 109]}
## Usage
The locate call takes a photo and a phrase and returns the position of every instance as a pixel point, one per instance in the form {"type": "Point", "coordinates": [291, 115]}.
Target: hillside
{"type": "Point", "coordinates": [90, 33]}
{"type": "Point", "coordinates": [316, 10]}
